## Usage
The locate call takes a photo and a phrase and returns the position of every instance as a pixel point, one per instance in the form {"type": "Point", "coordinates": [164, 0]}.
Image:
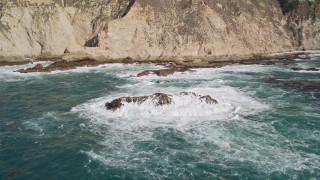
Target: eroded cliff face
{"type": "Point", "coordinates": [145, 30]}
{"type": "Point", "coordinates": [207, 29]}
{"type": "Point", "coordinates": [304, 22]}
{"type": "Point", "coordinates": [49, 30]}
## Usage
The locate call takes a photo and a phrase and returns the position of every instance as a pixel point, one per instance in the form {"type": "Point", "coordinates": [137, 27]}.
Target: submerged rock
{"type": "Point", "coordinates": [297, 83]}
{"type": "Point", "coordinates": [209, 100]}
{"type": "Point", "coordinates": [162, 99]}
{"type": "Point", "coordinates": [159, 99]}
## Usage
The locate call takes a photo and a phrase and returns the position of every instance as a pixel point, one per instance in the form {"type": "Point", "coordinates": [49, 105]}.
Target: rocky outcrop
{"type": "Point", "coordinates": [208, 99]}
{"type": "Point", "coordinates": [158, 99]}
{"type": "Point", "coordinates": [36, 68]}
{"type": "Point", "coordinates": [143, 30]}
{"type": "Point", "coordinates": [61, 65]}
{"type": "Point", "coordinates": [304, 69]}
{"type": "Point", "coordinates": [163, 72]}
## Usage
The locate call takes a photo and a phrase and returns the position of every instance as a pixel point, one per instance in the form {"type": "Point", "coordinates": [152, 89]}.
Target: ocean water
{"type": "Point", "coordinates": [55, 126]}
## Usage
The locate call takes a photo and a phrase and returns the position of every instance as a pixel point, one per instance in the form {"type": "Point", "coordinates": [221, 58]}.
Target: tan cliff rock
{"type": "Point", "coordinates": [304, 21]}
{"type": "Point", "coordinates": [143, 30]}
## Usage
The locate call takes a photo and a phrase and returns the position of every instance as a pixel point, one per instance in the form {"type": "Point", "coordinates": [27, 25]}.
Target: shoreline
{"type": "Point", "coordinates": [173, 64]}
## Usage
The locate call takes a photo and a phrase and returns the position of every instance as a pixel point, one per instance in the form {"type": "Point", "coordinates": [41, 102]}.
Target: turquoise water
{"type": "Point", "coordinates": [54, 125]}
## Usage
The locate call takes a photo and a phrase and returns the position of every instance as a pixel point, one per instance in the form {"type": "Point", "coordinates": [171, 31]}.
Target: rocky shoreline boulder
{"type": "Point", "coordinates": [163, 72]}
{"type": "Point", "coordinates": [159, 99]}
{"type": "Point", "coordinates": [304, 69]}
{"type": "Point", "coordinates": [36, 68]}
{"type": "Point", "coordinates": [61, 65]}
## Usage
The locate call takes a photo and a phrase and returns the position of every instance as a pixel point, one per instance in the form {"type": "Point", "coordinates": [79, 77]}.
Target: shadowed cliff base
{"type": "Point", "coordinates": [177, 65]}
{"type": "Point", "coordinates": [197, 33]}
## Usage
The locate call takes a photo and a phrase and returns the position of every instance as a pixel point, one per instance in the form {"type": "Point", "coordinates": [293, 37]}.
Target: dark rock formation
{"type": "Point", "coordinates": [300, 84]}
{"type": "Point", "coordinates": [160, 99]}
{"type": "Point", "coordinates": [93, 42]}
{"type": "Point", "coordinates": [114, 105]}
{"type": "Point", "coordinates": [131, 3]}
{"type": "Point", "coordinates": [209, 100]}
{"type": "Point", "coordinates": [36, 68]}
{"type": "Point", "coordinates": [61, 65]}
{"type": "Point", "coordinates": [304, 69]}
{"type": "Point", "coordinates": [188, 94]}
{"type": "Point", "coordinates": [288, 5]}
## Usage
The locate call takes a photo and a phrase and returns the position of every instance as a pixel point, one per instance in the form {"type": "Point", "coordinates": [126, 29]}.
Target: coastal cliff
{"type": "Point", "coordinates": [145, 30]}
{"type": "Point", "coordinates": [304, 22]}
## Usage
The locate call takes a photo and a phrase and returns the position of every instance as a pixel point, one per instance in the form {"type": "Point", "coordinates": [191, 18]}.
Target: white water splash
{"type": "Point", "coordinates": [205, 127]}
{"type": "Point", "coordinates": [184, 111]}
{"type": "Point", "coordinates": [8, 74]}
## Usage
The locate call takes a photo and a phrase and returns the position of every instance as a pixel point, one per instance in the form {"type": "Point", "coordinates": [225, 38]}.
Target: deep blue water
{"type": "Point", "coordinates": [54, 125]}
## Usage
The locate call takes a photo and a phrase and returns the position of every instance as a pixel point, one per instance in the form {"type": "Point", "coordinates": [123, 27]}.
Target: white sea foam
{"type": "Point", "coordinates": [185, 110]}
{"type": "Point", "coordinates": [221, 134]}
{"type": "Point", "coordinates": [8, 74]}
{"type": "Point", "coordinates": [316, 54]}
{"type": "Point", "coordinates": [257, 143]}
{"type": "Point", "coordinates": [206, 127]}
